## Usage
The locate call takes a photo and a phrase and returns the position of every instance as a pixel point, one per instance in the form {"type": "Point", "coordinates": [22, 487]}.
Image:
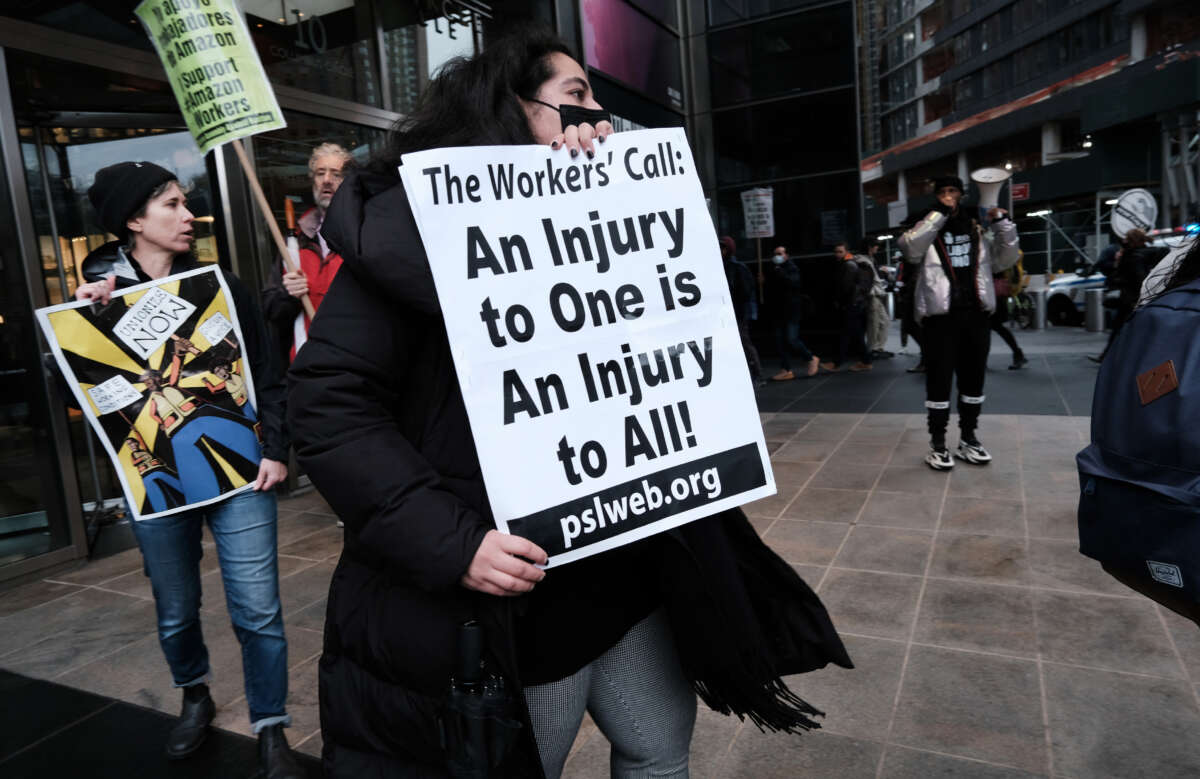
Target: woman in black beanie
{"type": "Point", "coordinates": [143, 205]}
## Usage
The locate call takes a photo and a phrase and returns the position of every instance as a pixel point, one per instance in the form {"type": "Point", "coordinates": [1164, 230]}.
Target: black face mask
{"type": "Point", "coordinates": [573, 115]}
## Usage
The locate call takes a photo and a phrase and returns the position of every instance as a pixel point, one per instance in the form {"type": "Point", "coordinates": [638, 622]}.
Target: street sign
{"type": "Point", "coordinates": [1135, 209]}
{"type": "Point", "coordinates": [1020, 191]}
{"type": "Point", "coordinates": [758, 206]}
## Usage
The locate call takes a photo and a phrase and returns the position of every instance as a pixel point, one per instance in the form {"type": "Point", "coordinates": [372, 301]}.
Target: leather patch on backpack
{"type": "Point", "coordinates": [1156, 382]}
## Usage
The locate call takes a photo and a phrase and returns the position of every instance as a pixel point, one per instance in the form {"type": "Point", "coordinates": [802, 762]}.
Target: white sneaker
{"type": "Point", "coordinates": [973, 453]}
{"type": "Point", "coordinates": [939, 459]}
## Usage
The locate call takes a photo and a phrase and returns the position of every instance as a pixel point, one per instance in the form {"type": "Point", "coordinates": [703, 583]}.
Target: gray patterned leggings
{"type": "Point", "coordinates": [638, 697]}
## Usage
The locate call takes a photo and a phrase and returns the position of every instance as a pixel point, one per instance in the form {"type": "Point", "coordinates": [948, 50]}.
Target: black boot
{"type": "Point", "coordinates": [192, 728]}
{"type": "Point", "coordinates": [275, 758]}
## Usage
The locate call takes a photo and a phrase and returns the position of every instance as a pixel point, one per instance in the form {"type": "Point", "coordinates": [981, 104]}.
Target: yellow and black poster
{"type": "Point", "coordinates": [160, 374]}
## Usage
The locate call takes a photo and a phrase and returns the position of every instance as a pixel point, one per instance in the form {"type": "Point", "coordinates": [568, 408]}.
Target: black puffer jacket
{"type": "Point", "coordinates": [381, 429]}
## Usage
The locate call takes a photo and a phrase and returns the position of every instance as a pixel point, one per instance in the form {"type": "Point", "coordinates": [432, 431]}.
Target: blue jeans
{"type": "Point", "coordinates": [787, 341]}
{"type": "Point", "coordinates": [243, 527]}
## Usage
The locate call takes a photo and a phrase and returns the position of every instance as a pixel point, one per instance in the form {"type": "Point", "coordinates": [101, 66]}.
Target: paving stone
{"type": "Point", "coordinates": [802, 449]}
{"type": "Point", "coordinates": [309, 501]}
{"type": "Point", "coordinates": [1118, 634]}
{"type": "Point", "coordinates": [302, 701]}
{"type": "Point", "coordinates": [982, 558]}
{"type": "Point", "coordinates": [846, 477]}
{"type": "Point", "coordinates": [905, 763]}
{"type": "Point", "coordinates": [109, 626]}
{"type": "Point", "coordinates": [871, 604]}
{"type": "Point", "coordinates": [305, 587]}
{"type": "Point", "coordinates": [857, 702]}
{"type": "Point", "coordinates": [986, 517]}
{"type": "Point", "coordinates": [983, 617]}
{"type": "Point", "coordinates": [28, 596]}
{"type": "Point", "coordinates": [991, 482]}
{"type": "Point", "coordinates": [828, 427]}
{"type": "Point", "coordinates": [781, 429]}
{"type": "Point", "coordinates": [827, 505]}
{"type": "Point", "coordinates": [320, 545]}
{"type": "Point", "coordinates": [1114, 725]}
{"type": "Point", "coordinates": [920, 479]}
{"type": "Point", "coordinates": [773, 505]}
{"type": "Point", "coordinates": [301, 526]}
{"type": "Point", "coordinates": [711, 738]}
{"type": "Point", "coordinates": [1052, 485]}
{"type": "Point", "coordinates": [861, 454]}
{"type": "Point", "coordinates": [885, 549]}
{"type": "Point", "coordinates": [902, 509]}
{"type": "Point", "coordinates": [797, 541]}
{"type": "Point", "coordinates": [311, 744]}
{"type": "Point", "coordinates": [756, 755]}
{"type": "Point", "coordinates": [84, 612]}
{"type": "Point", "coordinates": [973, 705]}
{"type": "Point", "coordinates": [760, 523]}
{"type": "Point", "coordinates": [1053, 519]}
{"type": "Point", "coordinates": [311, 617]}
{"type": "Point", "coordinates": [793, 475]}
{"type": "Point", "coordinates": [882, 438]}
{"type": "Point", "coordinates": [99, 571]}
{"type": "Point", "coordinates": [811, 574]}
{"type": "Point", "coordinates": [1059, 565]}
{"type": "Point", "coordinates": [1186, 636]}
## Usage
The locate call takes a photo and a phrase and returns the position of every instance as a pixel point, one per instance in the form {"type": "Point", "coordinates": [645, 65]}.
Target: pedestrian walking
{"type": "Point", "coordinates": [379, 419]}
{"type": "Point", "coordinates": [910, 328]}
{"type": "Point", "coordinates": [878, 321]}
{"type": "Point", "coordinates": [784, 301]}
{"type": "Point", "coordinates": [955, 259]}
{"type": "Point", "coordinates": [1131, 264]}
{"type": "Point", "coordinates": [855, 286]}
{"type": "Point", "coordinates": [741, 295]}
{"type": "Point", "coordinates": [144, 206]}
{"type": "Point", "coordinates": [1003, 285]}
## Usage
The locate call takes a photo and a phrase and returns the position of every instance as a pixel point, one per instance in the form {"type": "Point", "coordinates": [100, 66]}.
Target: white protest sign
{"type": "Point", "coordinates": [114, 394]}
{"type": "Point", "coordinates": [758, 207]}
{"type": "Point", "coordinates": [215, 328]}
{"type": "Point", "coordinates": [1136, 209]}
{"type": "Point", "coordinates": [151, 320]}
{"type": "Point", "coordinates": [597, 351]}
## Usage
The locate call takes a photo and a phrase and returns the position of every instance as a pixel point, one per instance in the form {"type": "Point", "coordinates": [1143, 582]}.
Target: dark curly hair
{"type": "Point", "coordinates": [473, 101]}
{"type": "Point", "coordinates": [1188, 268]}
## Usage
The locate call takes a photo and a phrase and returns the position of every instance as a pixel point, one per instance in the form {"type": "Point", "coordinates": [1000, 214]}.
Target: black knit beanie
{"type": "Point", "coordinates": [121, 190]}
{"type": "Point", "coordinates": [948, 181]}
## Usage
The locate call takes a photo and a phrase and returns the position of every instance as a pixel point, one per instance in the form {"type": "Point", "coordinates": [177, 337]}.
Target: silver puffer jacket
{"type": "Point", "coordinates": [997, 249]}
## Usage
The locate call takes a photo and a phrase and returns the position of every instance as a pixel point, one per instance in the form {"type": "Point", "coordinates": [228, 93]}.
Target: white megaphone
{"type": "Point", "coordinates": [990, 181]}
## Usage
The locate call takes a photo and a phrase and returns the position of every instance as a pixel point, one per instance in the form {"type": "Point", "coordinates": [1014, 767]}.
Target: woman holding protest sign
{"type": "Point", "coordinates": [143, 204]}
{"type": "Point", "coordinates": [630, 635]}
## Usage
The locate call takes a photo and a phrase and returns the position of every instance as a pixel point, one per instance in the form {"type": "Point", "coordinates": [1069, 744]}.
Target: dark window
{"type": "Point", "coordinates": [726, 11]}
{"type": "Point", "coordinates": [799, 207]}
{"type": "Point", "coordinates": [108, 20]}
{"type": "Point", "coordinates": [760, 142]}
{"type": "Point", "coordinates": [330, 53]}
{"type": "Point", "coordinates": [799, 53]}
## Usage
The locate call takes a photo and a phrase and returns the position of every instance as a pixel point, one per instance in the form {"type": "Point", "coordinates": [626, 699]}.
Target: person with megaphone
{"type": "Point", "coordinates": [955, 257]}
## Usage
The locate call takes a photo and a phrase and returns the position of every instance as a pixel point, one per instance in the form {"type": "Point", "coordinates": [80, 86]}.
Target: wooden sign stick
{"type": "Point", "coordinates": [265, 208]}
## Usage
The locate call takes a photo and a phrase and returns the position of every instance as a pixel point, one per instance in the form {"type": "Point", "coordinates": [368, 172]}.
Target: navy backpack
{"type": "Point", "coordinates": [1139, 480]}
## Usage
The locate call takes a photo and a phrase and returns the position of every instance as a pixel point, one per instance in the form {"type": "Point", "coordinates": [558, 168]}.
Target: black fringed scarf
{"type": "Point", "coordinates": [743, 619]}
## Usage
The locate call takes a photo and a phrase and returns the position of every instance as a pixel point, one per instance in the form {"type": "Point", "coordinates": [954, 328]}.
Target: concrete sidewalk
{"type": "Point", "coordinates": [985, 644]}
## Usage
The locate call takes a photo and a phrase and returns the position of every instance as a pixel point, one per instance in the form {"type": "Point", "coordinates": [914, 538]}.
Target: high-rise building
{"type": "Point", "coordinates": [1080, 99]}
